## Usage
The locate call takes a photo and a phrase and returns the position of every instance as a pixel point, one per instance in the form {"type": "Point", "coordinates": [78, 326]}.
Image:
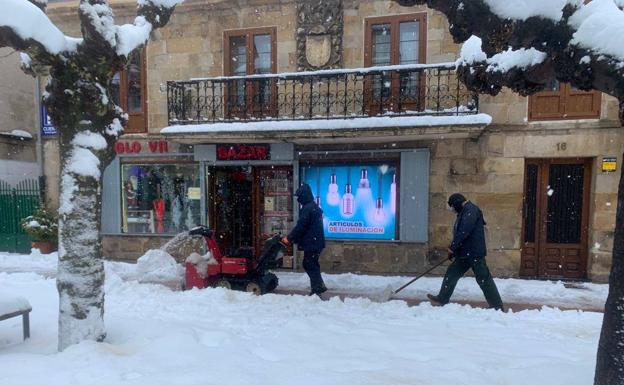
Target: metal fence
{"type": "Point", "coordinates": [16, 203]}
{"type": "Point", "coordinates": [407, 90]}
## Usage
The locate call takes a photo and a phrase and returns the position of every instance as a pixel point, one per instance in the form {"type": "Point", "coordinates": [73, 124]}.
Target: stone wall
{"type": "Point", "coordinates": [17, 97]}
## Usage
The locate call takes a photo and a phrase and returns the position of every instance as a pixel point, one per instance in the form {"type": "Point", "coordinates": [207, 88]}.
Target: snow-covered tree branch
{"type": "Point", "coordinates": [574, 40]}
{"type": "Point", "coordinates": [81, 107]}
{"type": "Point", "coordinates": [524, 45]}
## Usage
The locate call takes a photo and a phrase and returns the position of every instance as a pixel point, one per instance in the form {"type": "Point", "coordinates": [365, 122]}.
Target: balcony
{"type": "Point", "coordinates": [338, 99]}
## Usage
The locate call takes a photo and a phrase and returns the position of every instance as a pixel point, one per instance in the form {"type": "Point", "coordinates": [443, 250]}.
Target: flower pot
{"type": "Point", "coordinates": [45, 247]}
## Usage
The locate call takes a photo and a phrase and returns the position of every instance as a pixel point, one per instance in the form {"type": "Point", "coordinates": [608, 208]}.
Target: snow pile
{"type": "Point", "coordinates": [158, 266]}
{"type": "Point", "coordinates": [201, 262]}
{"type": "Point", "coordinates": [10, 305]}
{"type": "Point", "coordinates": [471, 53]}
{"type": "Point", "coordinates": [43, 264]}
{"type": "Point", "coordinates": [158, 336]}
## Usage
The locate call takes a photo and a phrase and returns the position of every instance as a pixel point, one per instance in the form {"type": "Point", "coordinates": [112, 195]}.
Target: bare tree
{"type": "Point", "coordinates": [555, 39]}
{"type": "Point", "coordinates": [80, 105]}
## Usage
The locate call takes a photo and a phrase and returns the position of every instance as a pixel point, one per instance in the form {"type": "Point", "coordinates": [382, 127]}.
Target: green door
{"type": "Point", "coordinates": [16, 203]}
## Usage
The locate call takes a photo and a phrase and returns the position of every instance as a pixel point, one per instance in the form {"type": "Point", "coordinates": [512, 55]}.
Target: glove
{"type": "Point", "coordinates": [451, 255]}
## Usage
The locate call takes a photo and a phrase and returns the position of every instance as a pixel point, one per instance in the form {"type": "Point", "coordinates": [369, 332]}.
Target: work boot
{"type": "Point", "coordinates": [319, 291]}
{"type": "Point", "coordinates": [435, 300]}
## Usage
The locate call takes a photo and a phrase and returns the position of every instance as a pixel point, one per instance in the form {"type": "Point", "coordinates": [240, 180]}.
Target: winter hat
{"type": "Point", "coordinates": [456, 201]}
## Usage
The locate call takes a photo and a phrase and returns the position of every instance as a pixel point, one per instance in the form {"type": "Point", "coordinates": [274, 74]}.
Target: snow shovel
{"type": "Point", "coordinates": [388, 292]}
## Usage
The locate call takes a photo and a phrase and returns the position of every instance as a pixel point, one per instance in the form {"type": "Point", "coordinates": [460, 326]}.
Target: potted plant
{"type": "Point", "coordinates": [42, 228]}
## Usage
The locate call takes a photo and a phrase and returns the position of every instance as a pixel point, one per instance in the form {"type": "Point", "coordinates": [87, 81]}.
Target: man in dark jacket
{"type": "Point", "coordinates": [309, 237]}
{"type": "Point", "coordinates": [467, 251]}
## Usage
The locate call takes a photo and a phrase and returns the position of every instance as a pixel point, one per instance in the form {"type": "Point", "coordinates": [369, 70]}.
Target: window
{"type": "Point", "coordinates": [250, 52]}
{"type": "Point", "coordinates": [129, 93]}
{"type": "Point", "coordinates": [359, 200]}
{"type": "Point", "coordinates": [562, 101]}
{"type": "Point", "coordinates": [160, 198]}
{"type": "Point", "coordinates": [395, 40]}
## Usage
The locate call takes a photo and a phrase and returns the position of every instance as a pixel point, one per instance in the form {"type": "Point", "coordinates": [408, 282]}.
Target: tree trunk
{"type": "Point", "coordinates": [610, 360]}
{"type": "Point", "coordinates": [80, 279]}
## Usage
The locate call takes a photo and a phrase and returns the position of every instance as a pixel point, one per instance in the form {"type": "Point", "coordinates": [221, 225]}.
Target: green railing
{"type": "Point", "coordinates": [16, 203]}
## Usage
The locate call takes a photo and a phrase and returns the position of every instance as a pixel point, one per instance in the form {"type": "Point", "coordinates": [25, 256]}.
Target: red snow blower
{"type": "Point", "coordinates": [240, 271]}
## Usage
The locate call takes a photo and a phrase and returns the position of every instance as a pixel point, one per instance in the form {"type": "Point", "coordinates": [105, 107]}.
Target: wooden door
{"type": "Point", "coordinates": [555, 218]}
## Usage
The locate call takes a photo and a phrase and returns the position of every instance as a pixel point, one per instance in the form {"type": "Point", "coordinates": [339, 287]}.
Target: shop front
{"type": "Point", "coordinates": [155, 190]}
{"type": "Point", "coordinates": [375, 202]}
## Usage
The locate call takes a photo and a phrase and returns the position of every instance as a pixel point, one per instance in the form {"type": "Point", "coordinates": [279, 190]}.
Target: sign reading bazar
{"type": "Point", "coordinates": [243, 152]}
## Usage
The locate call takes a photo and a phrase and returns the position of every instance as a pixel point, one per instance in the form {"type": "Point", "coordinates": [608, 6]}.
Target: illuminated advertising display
{"type": "Point", "coordinates": [358, 201]}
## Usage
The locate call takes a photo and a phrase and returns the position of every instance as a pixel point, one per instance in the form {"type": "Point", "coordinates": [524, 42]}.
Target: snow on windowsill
{"type": "Point", "coordinates": [331, 124]}
{"type": "Point", "coordinates": [19, 134]}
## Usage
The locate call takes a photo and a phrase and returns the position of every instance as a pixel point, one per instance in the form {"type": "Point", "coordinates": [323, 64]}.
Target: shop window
{"type": "Point", "coordinates": [562, 101]}
{"type": "Point", "coordinates": [129, 92]}
{"type": "Point", "coordinates": [250, 52]}
{"type": "Point", "coordinates": [359, 201]}
{"type": "Point", "coordinates": [160, 198]}
{"type": "Point", "coordinates": [395, 40]}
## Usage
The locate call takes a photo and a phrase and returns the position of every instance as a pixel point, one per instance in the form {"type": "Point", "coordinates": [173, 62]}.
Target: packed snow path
{"type": "Point", "coordinates": [517, 294]}
{"type": "Point", "coordinates": [217, 336]}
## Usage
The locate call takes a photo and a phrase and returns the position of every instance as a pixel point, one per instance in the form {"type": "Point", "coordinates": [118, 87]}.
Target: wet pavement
{"type": "Point", "coordinates": [411, 301]}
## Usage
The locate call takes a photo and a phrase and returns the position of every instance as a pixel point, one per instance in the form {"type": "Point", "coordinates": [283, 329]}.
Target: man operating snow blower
{"type": "Point", "coordinates": [467, 251]}
{"type": "Point", "coordinates": [309, 237]}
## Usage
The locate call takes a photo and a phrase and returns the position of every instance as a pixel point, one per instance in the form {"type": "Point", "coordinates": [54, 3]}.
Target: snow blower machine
{"type": "Point", "coordinates": [240, 271]}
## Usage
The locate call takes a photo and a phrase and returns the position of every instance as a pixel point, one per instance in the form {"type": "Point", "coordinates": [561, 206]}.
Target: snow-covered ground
{"type": "Point", "coordinates": [549, 293]}
{"type": "Point", "coordinates": [214, 336]}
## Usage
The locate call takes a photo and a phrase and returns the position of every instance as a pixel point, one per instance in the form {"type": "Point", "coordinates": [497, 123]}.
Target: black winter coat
{"type": "Point", "coordinates": [308, 232]}
{"type": "Point", "coordinates": [469, 233]}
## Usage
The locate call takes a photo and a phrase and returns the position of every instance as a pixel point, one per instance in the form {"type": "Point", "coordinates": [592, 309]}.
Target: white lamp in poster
{"type": "Point", "coordinates": [367, 214]}
{"type": "Point", "coordinates": [333, 196]}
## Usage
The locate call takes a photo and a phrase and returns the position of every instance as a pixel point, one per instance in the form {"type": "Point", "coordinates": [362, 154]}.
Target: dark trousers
{"type": "Point", "coordinates": [458, 268]}
{"type": "Point", "coordinates": [313, 268]}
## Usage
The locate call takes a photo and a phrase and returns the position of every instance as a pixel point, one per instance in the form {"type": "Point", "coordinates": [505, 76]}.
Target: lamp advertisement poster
{"type": "Point", "coordinates": [358, 201]}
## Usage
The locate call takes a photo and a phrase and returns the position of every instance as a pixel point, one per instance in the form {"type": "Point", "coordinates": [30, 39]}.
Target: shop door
{"type": "Point", "coordinates": [231, 207]}
{"type": "Point", "coordinates": [555, 219]}
{"type": "Point", "coordinates": [273, 209]}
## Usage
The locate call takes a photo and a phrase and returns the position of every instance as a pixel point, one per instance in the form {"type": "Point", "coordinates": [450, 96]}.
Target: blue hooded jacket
{"type": "Point", "coordinates": [469, 233]}
{"type": "Point", "coordinates": [308, 232]}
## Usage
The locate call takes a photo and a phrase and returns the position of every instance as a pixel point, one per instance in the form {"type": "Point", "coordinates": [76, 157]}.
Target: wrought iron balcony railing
{"type": "Point", "coordinates": [412, 90]}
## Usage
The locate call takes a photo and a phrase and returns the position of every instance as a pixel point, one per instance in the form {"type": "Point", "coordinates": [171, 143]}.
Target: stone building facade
{"type": "Point", "coordinates": [18, 121]}
{"type": "Point", "coordinates": [490, 163]}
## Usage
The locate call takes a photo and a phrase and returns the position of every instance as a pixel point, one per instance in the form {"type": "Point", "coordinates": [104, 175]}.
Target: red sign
{"type": "Point", "coordinates": [135, 147]}
{"type": "Point", "coordinates": [243, 152]}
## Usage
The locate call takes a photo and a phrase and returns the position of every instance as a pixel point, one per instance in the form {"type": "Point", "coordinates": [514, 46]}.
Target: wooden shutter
{"type": "Point", "coordinates": [565, 103]}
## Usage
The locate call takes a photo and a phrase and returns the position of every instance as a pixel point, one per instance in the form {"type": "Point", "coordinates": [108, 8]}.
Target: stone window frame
{"type": "Point", "coordinates": [249, 33]}
{"type": "Point", "coordinates": [137, 121]}
{"type": "Point", "coordinates": [395, 21]}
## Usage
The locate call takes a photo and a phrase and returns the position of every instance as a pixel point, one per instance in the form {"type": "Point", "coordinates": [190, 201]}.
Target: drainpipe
{"type": "Point", "coordinates": [39, 148]}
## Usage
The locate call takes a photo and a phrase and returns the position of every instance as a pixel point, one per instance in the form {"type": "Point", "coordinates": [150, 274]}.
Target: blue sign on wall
{"type": "Point", "coordinates": [359, 201]}
{"type": "Point", "coordinates": [47, 128]}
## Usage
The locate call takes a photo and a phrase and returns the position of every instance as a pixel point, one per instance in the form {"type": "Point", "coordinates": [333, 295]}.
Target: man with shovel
{"type": "Point", "coordinates": [467, 251]}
